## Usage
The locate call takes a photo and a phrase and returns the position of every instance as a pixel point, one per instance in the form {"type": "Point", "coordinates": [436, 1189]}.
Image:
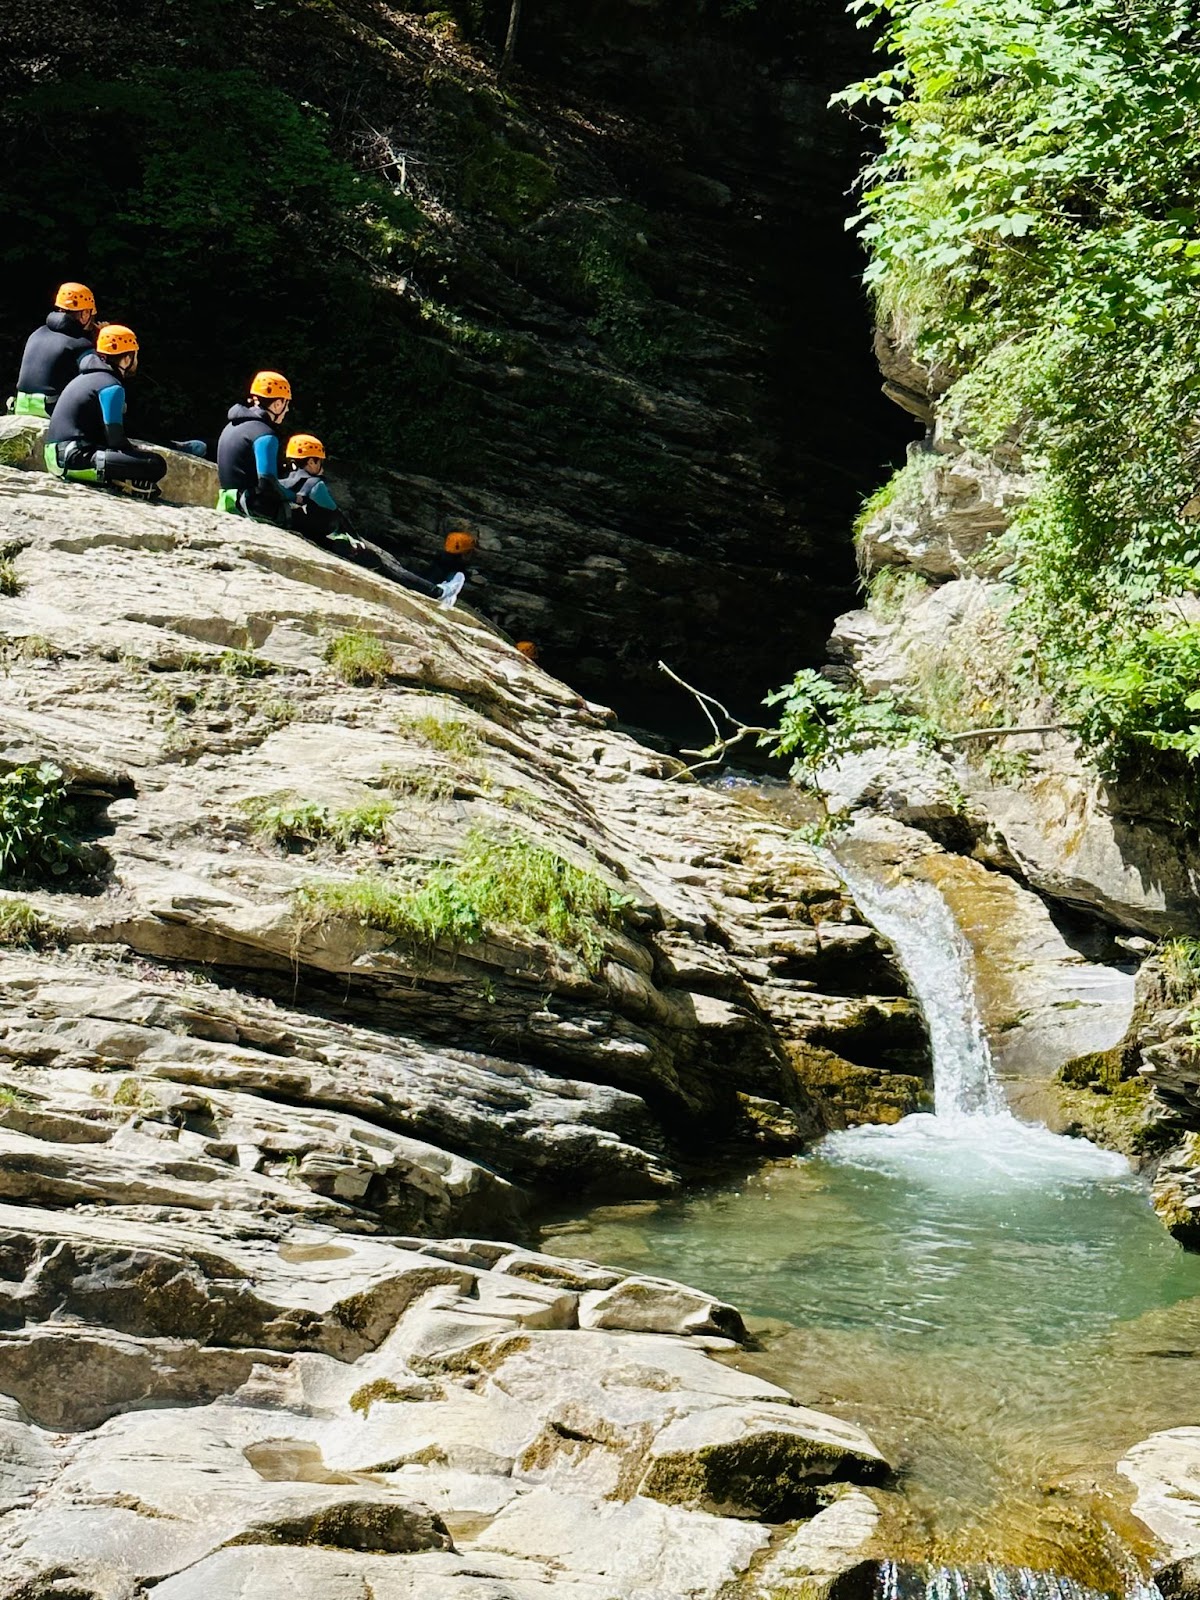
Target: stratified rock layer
{"type": "Point", "coordinates": [232, 1358]}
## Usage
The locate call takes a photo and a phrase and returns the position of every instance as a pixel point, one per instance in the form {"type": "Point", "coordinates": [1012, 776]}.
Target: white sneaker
{"type": "Point", "coordinates": [449, 591]}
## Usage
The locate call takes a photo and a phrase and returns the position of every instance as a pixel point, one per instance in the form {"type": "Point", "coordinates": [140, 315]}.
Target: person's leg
{"type": "Point", "coordinates": [72, 461]}
{"type": "Point", "coordinates": [391, 568]}
{"type": "Point", "coordinates": [119, 466]}
{"type": "Point", "coordinates": [364, 554]}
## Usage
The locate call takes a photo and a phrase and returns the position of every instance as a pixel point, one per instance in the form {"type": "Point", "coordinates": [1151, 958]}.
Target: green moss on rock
{"type": "Point", "coordinates": [771, 1475]}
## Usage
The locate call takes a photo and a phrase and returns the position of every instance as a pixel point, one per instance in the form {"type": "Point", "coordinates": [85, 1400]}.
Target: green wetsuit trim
{"type": "Point", "coordinates": [30, 405]}
{"type": "Point", "coordinates": [80, 475]}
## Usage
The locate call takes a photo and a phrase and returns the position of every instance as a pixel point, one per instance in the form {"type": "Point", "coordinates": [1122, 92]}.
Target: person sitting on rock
{"type": "Point", "coordinates": [315, 516]}
{"type": "Point", "coordinates": [53, 352]}
{"type": "Point", "coordinates": [248, 451]}
{"type": "Point", "coordinates": [86, 441]}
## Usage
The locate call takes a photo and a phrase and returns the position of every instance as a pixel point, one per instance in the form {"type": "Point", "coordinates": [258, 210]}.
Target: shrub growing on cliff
{"type": "Point", "coordinates": [1033, 227]}
{"type": "Point", "coordinates": [822, 721]}
{"type": "Point", "coordinates": [496, 884]}
{"type": "Point", "coordinates": [36, 824]}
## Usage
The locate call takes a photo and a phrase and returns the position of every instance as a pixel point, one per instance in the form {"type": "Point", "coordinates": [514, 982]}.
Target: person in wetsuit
{"type": "Point", "coordinates": [248, 451]}
{"type": "Point", "coordinates": [86, 441]}
{"type": "Point", "coordinates": [315, 516]}
{"type": "Point", "coordinates": [54, 351]}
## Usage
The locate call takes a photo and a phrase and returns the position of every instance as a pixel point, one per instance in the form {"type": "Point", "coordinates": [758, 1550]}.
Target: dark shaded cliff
{"type": "Point", "coordinates": [606, 311]}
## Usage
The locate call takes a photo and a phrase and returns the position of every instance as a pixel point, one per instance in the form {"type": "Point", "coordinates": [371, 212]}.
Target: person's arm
{"type": "Point", "coordinates": [112, 409]}
{"type": "Point", "coordinates": [266, 462]}
{"type": "Point", "coordinates": [319, 495]}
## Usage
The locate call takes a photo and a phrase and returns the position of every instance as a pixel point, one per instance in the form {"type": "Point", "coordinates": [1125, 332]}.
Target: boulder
{"type": "Point", "coordinates": [744, 1461]}
{"type": "Point", "coordinates": [912, 785]}
{"type": "Point", "coordinates": [189, 480]}
{"type": "Point", "coordinates": [637, 1548]}
{"type": "Point", "coordinates": [1165, 1471]}
{"type": "Point", "coordinates": [827, 1551]}
{"type": "Point", "coordinates": [650, 1305]}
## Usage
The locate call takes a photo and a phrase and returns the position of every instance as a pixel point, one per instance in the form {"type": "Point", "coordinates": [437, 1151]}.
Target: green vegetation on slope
{"type": "Point", "coordinates": [1033, 227]}
{"type": "Point", "coordinates": [37, 823]}
{"type": "Point", "coordinates": [504, 884]}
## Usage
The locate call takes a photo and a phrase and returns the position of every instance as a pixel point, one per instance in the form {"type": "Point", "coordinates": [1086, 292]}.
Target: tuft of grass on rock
{"type": "Point", "coordinates": [891, 589]}
{"type": "Point", "coordinates": [133, 1095]}
{"type": "Point", "coordinates": [359, 658]}
{"type": "Point", "coordinates": [505, 884]}
{"type": "Point", "coordinates": [244, 664]}
{"type": "Point", "coordinates": [28, 647]}
{"type": "Point", "coordinates": [419, 783]}
{"type": "Point", "coordinates": [10, 579]}
{"type": "Point", "coordinates": [229, 663]}
{"type": "Point", "coordinates": [1180, 963]}
{"type": "Point", "coordinates": [296, 824]}
{"type": "Point", "coordinates": [23, 927]}
{"type": "Point", "coordinates": [451, 735]}
{"type": "Point", "coordinates": [279, 711]}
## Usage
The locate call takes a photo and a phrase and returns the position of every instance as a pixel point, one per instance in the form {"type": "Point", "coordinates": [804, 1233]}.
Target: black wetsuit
{"type": "Point", "coordinates": [86, 438]}
{"type": "Point", "coordinates": [52, 357]}
{"type": "Point", "coordinates": [315, 517]}
{"type": "Point", "coordinates": [248, 459]}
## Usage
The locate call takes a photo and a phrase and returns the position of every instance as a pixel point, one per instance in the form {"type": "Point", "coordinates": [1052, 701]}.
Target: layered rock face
{"type": "Point", "coordinates": [1050, 817]}
{"type": "Point", "coordinates": [235, 1101]}
{"type": "Point", "coordinates": [1059, 880]}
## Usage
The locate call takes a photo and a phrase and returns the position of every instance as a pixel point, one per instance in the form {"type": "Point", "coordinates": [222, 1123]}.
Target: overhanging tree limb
{"type": "Point", "coordinates": [714, 754]}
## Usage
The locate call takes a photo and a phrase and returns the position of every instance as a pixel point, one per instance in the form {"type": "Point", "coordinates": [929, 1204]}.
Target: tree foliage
{"type": "Point", "coordinates": [822, 721]}
{"type": "Point", "coordinates": [1032, 221]}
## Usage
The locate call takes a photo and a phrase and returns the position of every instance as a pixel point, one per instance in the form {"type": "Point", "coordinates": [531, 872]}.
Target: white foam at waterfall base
{"type": "Point", "coordinates": [904, 1581]}
{"type": "Point", "coordinates": [971, 1141]}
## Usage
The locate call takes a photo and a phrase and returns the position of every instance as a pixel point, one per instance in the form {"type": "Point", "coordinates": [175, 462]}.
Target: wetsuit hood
{"type": "Point", "coordinates": [244, 413]}
{"type": "Point", "coordinates": [95, 363]}
{"type": "Point", "coordinates": [66, 322]}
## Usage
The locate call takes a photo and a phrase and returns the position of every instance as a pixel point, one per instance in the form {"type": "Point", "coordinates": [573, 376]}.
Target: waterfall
{"type": "Point", "coordinates": [972, 1146]}
{"type": "Point", "coordinates": [896, 1580]}
{"type": "Point", "coordinates": [915, 919]}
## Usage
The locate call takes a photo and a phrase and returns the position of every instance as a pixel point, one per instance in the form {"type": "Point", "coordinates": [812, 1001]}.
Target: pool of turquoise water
{"type": "Point", "coordinates": [998, 1306]}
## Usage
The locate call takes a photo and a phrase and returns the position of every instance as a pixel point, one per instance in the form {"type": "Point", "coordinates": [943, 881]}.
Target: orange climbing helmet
{"type": "Point", "coordinates": [528, 648]}
{"type": "Point", "coordinates": [461, 543]}
{"type": "Point", "coordinates": [75, 297]}
{"type": "Point", "coordinates": [271, 386]}
{"type": "Point", "coordinates": [303, 447]}
{"type": "Point", "coordinates": [116, 340]}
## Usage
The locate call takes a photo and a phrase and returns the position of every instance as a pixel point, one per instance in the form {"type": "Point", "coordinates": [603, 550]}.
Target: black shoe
{"type": "Point", "coordinates": [140, 489]}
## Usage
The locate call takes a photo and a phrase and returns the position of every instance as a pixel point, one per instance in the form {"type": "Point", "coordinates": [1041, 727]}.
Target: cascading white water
{"type": "Point", "coordinates": [916, 921]}
{"type": "Point", "coordinates": [985, 1296]}
{"type": "Point", "coordinates": [910, 1581]}
{"type": "Point", "coordinates": [972, 1141]}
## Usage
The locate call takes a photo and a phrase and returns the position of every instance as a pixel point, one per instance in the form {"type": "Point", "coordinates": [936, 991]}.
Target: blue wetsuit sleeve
{"type": "Point", "coordinates": [320, 496]}
{"type": "Point", "coordinates": [112, 411]}
{"type": "Point", "coordinates": [266, 461]}
{"type": "Point", "coordinates": [112, 405]}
